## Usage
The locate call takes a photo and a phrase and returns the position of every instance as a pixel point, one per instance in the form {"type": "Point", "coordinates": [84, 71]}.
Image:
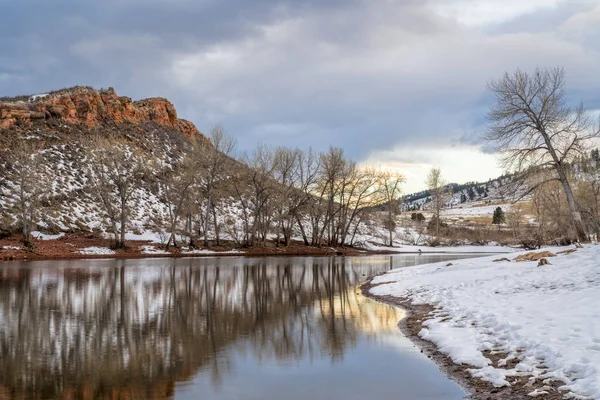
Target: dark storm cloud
{"type": "Point", "coordinates": [364, 75]}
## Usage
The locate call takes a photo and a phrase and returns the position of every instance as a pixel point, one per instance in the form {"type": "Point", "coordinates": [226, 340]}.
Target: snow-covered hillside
{"type": "Point", "coordinates": [69, 205]}
{"type": "Point", "coordinates": [503, 189]}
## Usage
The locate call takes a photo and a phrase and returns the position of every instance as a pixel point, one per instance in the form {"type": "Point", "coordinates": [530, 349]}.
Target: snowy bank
{"type": "Point", "coordinates": [467, 249]}
{"type": "Point", "coordinates": [95, 250]}
{"type": "Point", "coordinates": [544, 321]}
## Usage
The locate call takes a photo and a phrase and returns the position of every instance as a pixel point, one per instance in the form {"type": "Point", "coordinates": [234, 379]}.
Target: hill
{"type": "Point", "coordinates": [58, 124]}
{"type": "Point", "coordinates": [504, 189]}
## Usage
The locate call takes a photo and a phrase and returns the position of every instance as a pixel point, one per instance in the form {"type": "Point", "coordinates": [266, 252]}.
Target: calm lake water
{"type": "Point", "coordinates": [208, 328]}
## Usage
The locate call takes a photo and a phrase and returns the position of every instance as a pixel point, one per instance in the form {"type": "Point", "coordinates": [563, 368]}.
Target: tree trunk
{"type": "Point", "coordinates": [304, 238]}
{"type": "Point", "coordinates": [216, 223]}
{"type": "Point", "coordinates": [573, 208]}
{"type": "Point", "coordinates": [121, 243]}
{"type": "Point", "coordinates": [190, 229]}
{"type": "Point", "coordinates": [207, 217]}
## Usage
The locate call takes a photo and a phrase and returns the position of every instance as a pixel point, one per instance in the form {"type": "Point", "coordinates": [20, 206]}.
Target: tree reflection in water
{"type": "Point", "coordinates": [131, 329]}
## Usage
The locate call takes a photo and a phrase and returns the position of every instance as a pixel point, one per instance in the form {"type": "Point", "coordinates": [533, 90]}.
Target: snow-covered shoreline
{"type": "Point", "coordinates": [460, 249]}
{"type": "Point", "coordinates": [543, 321]}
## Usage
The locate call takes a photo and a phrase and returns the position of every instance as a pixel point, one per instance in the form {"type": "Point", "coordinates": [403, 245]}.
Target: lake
{"type": "Point", "coordinates": [209, 328]}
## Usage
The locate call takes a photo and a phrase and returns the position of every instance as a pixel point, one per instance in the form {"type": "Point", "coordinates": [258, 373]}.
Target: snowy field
{"type": "Point", "coordinates": [474, 210]}
{"type": "Point", "coordinates": [547, 318]}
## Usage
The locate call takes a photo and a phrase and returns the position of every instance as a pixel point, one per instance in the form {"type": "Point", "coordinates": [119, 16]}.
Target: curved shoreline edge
{"type": "Point", "coordinates": [476, 389]}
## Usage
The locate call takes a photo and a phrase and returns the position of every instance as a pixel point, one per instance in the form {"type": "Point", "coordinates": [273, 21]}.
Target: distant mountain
{"type": "Point", "coordinates": [502, 189]}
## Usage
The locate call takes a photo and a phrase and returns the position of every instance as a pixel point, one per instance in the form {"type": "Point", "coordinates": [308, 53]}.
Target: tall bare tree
{"type": "Point", "coordinates": [534, 128]}
{"type": "Point", "coordinates": [28, 182]}
{"type": "Point", "coordinates": [308, 199]}
{"type": "Point", "coordinates": [215, 164]}
{"type": "Point", "coordinates": [390, 184]}
{"type": "Point", "coordinates": [176, 183]}
{"type": "Point", "coordinates": [289, 196]}
{"type": "Point", "coordinates": [115, 171]}
{"type": "Point", "coordinates": [437, 189]}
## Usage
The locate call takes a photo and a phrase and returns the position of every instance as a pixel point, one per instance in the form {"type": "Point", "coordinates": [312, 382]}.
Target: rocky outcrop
{"type": "Point", "coordinates": [92, 108]}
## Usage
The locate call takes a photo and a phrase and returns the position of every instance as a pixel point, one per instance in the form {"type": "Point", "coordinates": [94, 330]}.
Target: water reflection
{"type": "Point", "coordinates": [132, 329]}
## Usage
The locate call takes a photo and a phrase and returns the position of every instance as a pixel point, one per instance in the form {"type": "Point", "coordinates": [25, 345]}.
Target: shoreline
{"type": "Point", "coordinates": [73, 246]}
{"type": "Point", "coordinates": [313, 252]}
{"type": "Point", "coordinates": [475, 388]}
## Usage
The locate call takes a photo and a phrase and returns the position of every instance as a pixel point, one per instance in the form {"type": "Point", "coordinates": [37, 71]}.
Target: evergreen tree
{"type": "Point", "coordinates": [499, 217]}
{"type": "Point", "coordinates": [595, 156]}
{"type": "Point", "coordinates": [471, 193]}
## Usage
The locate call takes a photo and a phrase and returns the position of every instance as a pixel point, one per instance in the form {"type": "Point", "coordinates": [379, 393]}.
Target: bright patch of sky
{"type": "Point", "coordinates": [456, 162]}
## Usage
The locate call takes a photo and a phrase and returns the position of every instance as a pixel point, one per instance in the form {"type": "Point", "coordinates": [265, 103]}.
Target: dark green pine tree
{"type": "Point", "coordinates": [499, 217]}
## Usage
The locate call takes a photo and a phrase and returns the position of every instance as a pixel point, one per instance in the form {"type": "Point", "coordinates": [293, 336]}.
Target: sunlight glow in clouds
{"type": "Point", "coordinates": [480, 13]}
{"type": "Point", "coordinates": [456, 162]}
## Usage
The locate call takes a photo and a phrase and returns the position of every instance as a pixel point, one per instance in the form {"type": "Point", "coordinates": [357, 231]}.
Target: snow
{"type": "Point", "coordinates": [145, 236]}
{"type": "Point", "coordinates": [546, 318]}
{"type": "Point", "coordinates": [441, 249]}
{"type": "Point", "coordinates": [211, 252]}
{"type": "Point", "coordinates": [94, 250]}
{"type": "Point", "coordinates": [37, 97]}
{"type": "Point", "coordinates": [475, 210]}
{"type": "Point", "coordinates": [148, 249]}
{"type": "Point", "coordinates": [43, 236]}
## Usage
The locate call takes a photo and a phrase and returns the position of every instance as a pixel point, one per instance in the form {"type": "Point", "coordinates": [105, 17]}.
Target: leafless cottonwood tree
{"type": "Point", "coordinates": [587, 193]}
{"type": "Point", "coordinates": [437, 187]}
{"type": "Point", "coordinates": [334, 168]}
{"type": "Point", "coordinates": [534, 128]}
{"type": "Point", "coordinates": [176, 183]}
{"type": "Point", "coordinates": [358, 190]}
{"type": "Point", "coordinates": [215, 165]}
{"type": "Point", "coordinates": [287, 174]}
{"type": "Point", "coordinates": [28, 181]}
{"type": "Point", "coordinates": [255, 189]}
{"type": "Point", "coordinates": [390, 184]}
{"type": "Point", "coordinates": [115, 171]}
{"type": "Point", "coordinates": [307, 203]}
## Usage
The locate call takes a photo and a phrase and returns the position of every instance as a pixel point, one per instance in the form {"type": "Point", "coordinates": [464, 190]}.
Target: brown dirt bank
{"type": "Point", "coordinates": [477, 389]}
{"type": "Point", "coordinates": [68, 247]}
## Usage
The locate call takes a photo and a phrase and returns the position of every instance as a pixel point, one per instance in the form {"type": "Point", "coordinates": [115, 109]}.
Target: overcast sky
{"type": "Point", "coordinates": [399, 83]}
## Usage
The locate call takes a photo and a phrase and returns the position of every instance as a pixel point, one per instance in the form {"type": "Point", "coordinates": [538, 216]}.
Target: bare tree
{"type": "Point", "coordinates": [437, 189]}
{"type": "Point", "coordinates": [587, 193]}
{"type": "Point", "coordinates": [534, 128]}
{"type": "Point", "coordinates": [358, 190]}
{"type": "Point", "coordinates": [115, 171]}
{"type": "Point", "coordinates": [334, 168]}
{"type": "Point", "coordinates": [515, 218]}
{"type": "Point", "coordinates": [176, 183]}
{"type": "Point", "coordinates": [27, 181]}
{"type": "Point", "coordinates": [309, 170]}
{"type": "Point", "coordinates": [216, 161]}
{"type": "Point", "coordinates": [255, 188]}
{"type": "Point", "coordinates": [391, 188]}
{"type": "Point", "coordinates": [289, 196]}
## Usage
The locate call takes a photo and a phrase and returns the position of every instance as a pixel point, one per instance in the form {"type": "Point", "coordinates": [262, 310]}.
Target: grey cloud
{"type": "Point", "coordinates": [359, 74]}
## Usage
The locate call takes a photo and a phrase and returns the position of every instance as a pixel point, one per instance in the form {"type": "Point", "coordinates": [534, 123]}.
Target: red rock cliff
{"type": "Point", "coordinates": [83, 105]}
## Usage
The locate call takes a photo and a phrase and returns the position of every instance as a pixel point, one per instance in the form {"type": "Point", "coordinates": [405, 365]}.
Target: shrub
{"type": "Point", "coordinates": [417, 217]}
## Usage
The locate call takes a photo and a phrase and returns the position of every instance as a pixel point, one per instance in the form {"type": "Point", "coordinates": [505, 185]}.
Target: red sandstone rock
{"type": "Point", "coordinates": [82, 105]}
